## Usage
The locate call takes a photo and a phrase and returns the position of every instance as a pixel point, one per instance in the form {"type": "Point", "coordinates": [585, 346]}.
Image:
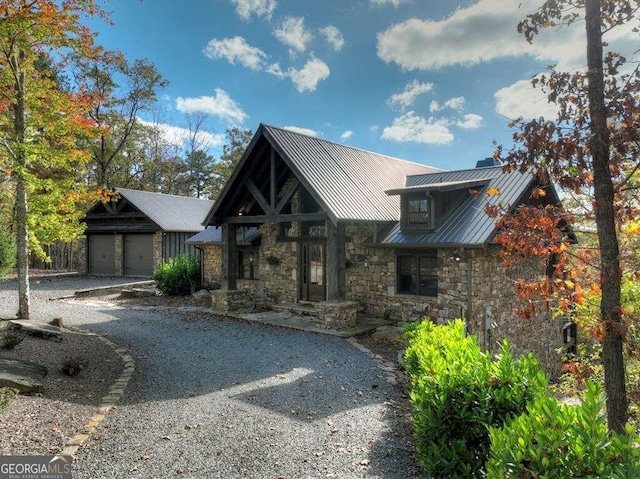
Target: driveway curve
{"type": "Point", "coordinates": [227, 399]}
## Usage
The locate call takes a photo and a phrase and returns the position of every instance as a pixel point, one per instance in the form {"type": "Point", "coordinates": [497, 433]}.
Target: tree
{"type": "Point", "coordinates": [39, 120]}
{"type": "Point", "coordinates": [237, 142]}
{"type": "Point", "coordinates": [198, 163]}
{"type": "Point", "coordinates": [592, 148]}
{"type": "Point", "coordinates": [123, 90]}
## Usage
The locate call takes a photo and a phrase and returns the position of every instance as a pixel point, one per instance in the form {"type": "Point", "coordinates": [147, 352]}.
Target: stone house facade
{"type": "Point", "coordinates": [350, 232]}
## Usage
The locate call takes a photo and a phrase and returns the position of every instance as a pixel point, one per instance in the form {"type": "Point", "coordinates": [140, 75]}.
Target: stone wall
{"type": "Point", "coordinates": [157, 249]}
{"type": "Point", "coordinates": [280, 280]}
{"type": "Point", "coordinates": [118, 240]}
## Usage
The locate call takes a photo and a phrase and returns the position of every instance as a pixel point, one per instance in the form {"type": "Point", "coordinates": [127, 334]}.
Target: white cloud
{"type": "Point", "coordinates": [410, 127]}
{"type": "Point", "coordinates": [411, 91]}
{"type": "Point", "coordinates": [303, 131]}
{"type": "Point", "coordinates": [259, 8]}
{"type": "Point", "coordinates": [307, 78]}
{"type": "Point", "coordinates": [479, 33]}
{"type": "Point", "coordinates": [293, 33]}
{"type": "Point", "coordinates": [456, 103]}
{"type": "Point", "coordinates": [346, 135]}
{"type": "Point", "coordinates": [234, 50]}
{"type": "Point", "coordinates": [220, 105]}
{"type": "Point", "coordinates": [178, 136]}
{"type": "Point", "coordinates": [333, 36]}
{"type": "Point", "coordinates": [522, 100]}
{"type": "Point", "coordinates": [378, 3]}
{"type": "Point", "coordinates": [374, 128]}
{"type": "Point", "coordinates": [470, 121]}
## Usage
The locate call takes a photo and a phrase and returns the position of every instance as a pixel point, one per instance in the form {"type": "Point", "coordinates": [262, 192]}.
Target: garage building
{"type": "Point", "coordinates": [132, 234]}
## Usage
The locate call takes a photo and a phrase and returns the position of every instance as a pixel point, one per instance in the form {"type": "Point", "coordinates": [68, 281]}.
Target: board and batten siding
{"type": "Point", "coordinates": [173, 245]}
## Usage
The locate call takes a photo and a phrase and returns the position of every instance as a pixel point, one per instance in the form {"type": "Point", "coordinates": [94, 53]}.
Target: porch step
{"type": "Point", "coordinates": [296, 308]}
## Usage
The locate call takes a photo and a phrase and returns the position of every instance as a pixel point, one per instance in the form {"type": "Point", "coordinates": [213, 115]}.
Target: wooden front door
{"type": "Point", "coordinates": [312, 272]}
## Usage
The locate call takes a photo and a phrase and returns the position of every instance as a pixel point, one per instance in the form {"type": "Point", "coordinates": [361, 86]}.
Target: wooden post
{"type": "Point", "coordinates": [229, 257]}
{"type": "Point", "coordinates": [335, 268]}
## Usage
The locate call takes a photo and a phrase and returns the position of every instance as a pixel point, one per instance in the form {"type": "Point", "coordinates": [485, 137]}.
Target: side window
{"type": "Point", "coordinates": [418, 273]}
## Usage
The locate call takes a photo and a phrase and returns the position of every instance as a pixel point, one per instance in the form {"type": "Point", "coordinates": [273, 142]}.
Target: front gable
{"type": "Point", "coordinates": [118, 215]}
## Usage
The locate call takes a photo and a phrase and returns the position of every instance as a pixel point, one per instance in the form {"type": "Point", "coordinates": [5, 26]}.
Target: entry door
{"type": "Point", "coordinates": [312, 274]}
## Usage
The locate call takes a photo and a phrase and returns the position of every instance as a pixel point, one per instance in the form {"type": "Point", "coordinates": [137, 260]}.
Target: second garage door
{"type": "Point", "coordinates": [138, 255]}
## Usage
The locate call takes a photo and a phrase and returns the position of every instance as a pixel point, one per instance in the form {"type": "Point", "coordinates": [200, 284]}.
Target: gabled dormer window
{"type": "Point", "coordinates": [418, 212]}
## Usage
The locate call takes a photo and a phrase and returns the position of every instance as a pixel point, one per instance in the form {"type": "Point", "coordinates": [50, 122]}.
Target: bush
{"type": "Point", "coordinates": [458, 393]}
{"type": "Point", "coordinates": [7, 252]}
{"type": "Point", "coordinates": [72, 366]}
{"type": "Point", "coordinates": [562, 441]}
{"type": "Point", "coordinates": [176, 276]}
{"type": "Point", "coordinates": [6, 395]}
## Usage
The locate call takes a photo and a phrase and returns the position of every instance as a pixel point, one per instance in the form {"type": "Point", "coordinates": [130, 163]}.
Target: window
{"type": "Point", "coordinates": [418, 273]}
{"type": "Point", "coordinates": [418, 213]}
{"type": "Point", "coordinates": [248, 264]}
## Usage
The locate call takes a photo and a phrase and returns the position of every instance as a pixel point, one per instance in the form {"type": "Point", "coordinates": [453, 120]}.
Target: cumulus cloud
{"type": "Point", "coordinates": [333, 36]}
{"type": "Point", "coordinates": [259, 8]}
{"type": "Point", "coordinates": [178, 136]}
{"type": "Point", "coordinates": [456, 103]}
{"type": "Point", "coordinates": [303, 131]}
{"type": "Point", "coordinates": [479, 33]}
{"type": "Point", "coordinates": [346, 135]}
{"type": "Point", "coordinates": [411, 91]}
{"type": "Point", "coordinates": [470, 121]}
{"type": "Point", "coordinates": [379, 3]}
{"type": "Point", "coordinates": [308, 77]}
{"type": "Point", "coordinates": [293, 33]}
{"type": "Point", "coordinates": [522, 100]}
{"type": "Point", "coordinates": [236, 50]}
{"type": "Point", "coordinates": [410, 127]}
{"type": "Point", "coordinates": [220, 105]}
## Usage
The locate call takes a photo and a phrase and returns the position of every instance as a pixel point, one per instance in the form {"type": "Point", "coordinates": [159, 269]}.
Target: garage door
{"type": "Point", "coordinates": [138, 255]}
{"type": "Point", "coordinates": [102, 254]}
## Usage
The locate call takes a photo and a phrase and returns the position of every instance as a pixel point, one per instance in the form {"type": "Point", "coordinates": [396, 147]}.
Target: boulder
{"type": "Point", "coordinates": [24, 376]}
{"type": "Point", "coordinates": [202, 298]}
{"type": "Point", "coordinates": [39, 330]}
{"type": "Point", "coordinates": [388, 333]}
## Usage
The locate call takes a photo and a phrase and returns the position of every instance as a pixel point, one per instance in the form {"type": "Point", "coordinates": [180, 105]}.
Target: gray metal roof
{"type": "Point", "coordinates": [350, 182]}
{"type": "Point", "coordinates": [213, 235]}
{"type": "Point", "coordinates": [468, 225]}
{"type": "Point", "coordinates": [169, 212]}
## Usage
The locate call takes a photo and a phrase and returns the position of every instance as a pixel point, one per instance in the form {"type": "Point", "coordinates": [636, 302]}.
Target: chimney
{"type": "Point", "coordinates": [488, 162]}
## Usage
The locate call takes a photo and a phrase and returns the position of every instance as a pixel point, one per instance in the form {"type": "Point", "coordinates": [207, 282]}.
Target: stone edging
{"type": "Point", "coordinates": [109, 401]}
{"type": "Point", "coordinates": [392, 372]}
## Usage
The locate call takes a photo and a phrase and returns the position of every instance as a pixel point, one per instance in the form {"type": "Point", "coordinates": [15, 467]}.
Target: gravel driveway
{"type": "Point", "coordinates": [227, 399]}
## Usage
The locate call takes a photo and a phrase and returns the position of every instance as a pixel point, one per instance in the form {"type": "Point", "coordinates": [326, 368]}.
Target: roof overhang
{"type": "Point", "coordinates": [439, 187]}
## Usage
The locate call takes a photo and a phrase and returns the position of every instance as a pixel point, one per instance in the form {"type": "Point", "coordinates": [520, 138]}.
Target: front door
{"type": "Point", "coordinates": [312, 271]}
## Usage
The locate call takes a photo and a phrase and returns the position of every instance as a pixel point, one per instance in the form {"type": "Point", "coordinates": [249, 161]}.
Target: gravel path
{"type": "Point", "coordinates": [230, 399]}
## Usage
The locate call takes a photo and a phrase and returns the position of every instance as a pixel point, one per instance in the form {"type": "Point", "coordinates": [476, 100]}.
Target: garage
{"type": "Point", "coordinates": [138, 255]}
{"type": "Point", "coordinates": [102, 254]}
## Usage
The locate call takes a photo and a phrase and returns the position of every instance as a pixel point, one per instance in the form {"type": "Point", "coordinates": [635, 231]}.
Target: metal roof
{"type": "Point", "coordinates": [213, 235]}
{"type": "Point", "coordinates": [444, 186]}
{"type": "Point", "coordinates": [467, 225]}
{"type": "Point", "coordinates": [169, 212]}
{"type": "Point", "coordinates": [350, 182]}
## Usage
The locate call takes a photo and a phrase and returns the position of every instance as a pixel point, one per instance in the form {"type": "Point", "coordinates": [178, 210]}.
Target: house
{"type": "Point", "coordinates": [346, 231]}
{"type": "Point", "coordinates": [132, 234]}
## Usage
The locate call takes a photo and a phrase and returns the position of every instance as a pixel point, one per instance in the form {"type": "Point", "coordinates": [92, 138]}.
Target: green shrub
{"type": "Point", "coordinates": [458, 392]}
{"type": "Point", "coordinates": [176, 276]}
{"type": "Point", "coordinates": [7, 252]}
{"type": "Point", "coordinates": [562, 441]}
{"type": "Point", "coordinates": [6, 395]}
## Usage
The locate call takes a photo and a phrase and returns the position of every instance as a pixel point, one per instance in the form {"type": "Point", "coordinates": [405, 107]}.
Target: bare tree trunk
{"type": "Point", "coordinates": [22, 233]}
{"type": "Point", "coordinates": [610, 276]}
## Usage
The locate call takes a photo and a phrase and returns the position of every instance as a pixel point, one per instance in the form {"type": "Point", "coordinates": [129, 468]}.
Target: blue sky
{"type": "Point", "coordinates": [433, 82]}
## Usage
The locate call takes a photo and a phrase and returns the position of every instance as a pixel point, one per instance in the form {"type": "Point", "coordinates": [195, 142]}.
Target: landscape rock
{"type": "Point", "coordinates": [25, 376]}
{"type": "Point", "coordinates": [39, 330]}
{"type": "Point", "coordinates": [137, 293]}
{"type": "Point", "coordinates": [388, 333]}
{"type": "Point", "coordinates": [202, 298]}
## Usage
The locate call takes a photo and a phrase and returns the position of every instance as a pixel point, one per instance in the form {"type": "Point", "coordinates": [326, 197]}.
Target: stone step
{"type": "Point", "coordinates": [296, 308]}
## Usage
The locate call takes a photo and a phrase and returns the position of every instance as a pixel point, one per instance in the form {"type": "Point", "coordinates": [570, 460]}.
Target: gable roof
{"type": "Point", "coordinates": [347, 182]}
{"type": "Point", "coordinates": [213, 235]}
{"type": "Point", "coordinates": [467, 225]}
{"type": "Point", "coordinates": [169, 212]}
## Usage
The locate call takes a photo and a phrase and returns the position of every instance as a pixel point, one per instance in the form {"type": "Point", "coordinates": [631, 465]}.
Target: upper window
{"type": "Point", "coordinates": [418, 213]}
{"type": "Point", "coordinates": [418, 273]}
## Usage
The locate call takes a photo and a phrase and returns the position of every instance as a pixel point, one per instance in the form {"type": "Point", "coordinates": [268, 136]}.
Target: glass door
{"type": "Point", "coordinates": [312, 271]}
